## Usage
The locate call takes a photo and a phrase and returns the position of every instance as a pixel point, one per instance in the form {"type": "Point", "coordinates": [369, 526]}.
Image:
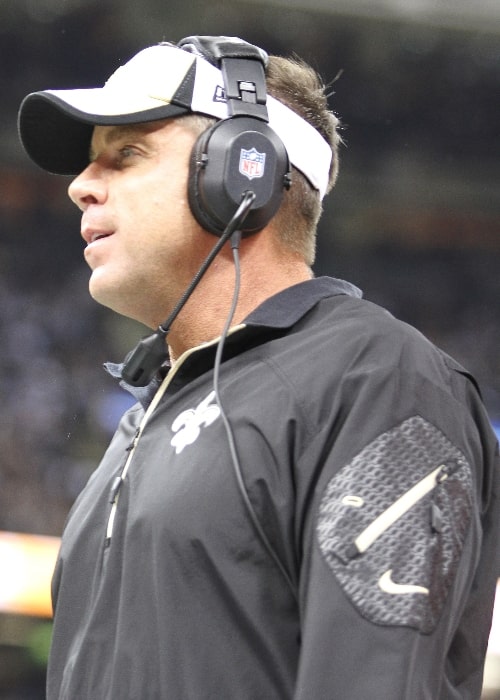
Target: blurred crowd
{"type": "Point", "coordinates": [58, 406]}
{"type": "Point", "coordinates": [405, 90]}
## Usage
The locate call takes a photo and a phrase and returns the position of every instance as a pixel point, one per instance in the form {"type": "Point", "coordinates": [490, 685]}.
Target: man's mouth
{"type": "Point", "coordinates": [98, 236]}
{"type": "Point", "coordinates": [93, 236]}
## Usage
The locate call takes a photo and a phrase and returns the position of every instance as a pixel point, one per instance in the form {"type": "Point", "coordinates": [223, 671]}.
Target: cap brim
{"type": "Point", "coordinates": [56, 135]}
{"type": "Point", "coordinates": [160, 82]}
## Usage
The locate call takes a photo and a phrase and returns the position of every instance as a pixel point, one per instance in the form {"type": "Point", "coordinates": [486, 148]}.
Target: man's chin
{"type": "Point", "coordinates": [110, 296]}
{"type": "Point", "coordinates": [104, 293]}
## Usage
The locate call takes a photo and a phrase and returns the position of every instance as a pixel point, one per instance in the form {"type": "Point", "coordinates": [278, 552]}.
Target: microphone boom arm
{"type": "Point", "coordinates": [151, 352]}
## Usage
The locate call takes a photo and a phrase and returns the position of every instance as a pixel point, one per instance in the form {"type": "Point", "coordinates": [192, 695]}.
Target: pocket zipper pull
{"type": "Point", "coordinates": [436, 518]}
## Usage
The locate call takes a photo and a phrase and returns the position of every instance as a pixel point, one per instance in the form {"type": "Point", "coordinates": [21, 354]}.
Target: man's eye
{"type": "Point", "coordinates": [123, 154]}
{"type": "Point", "coordinates": [127, 151]}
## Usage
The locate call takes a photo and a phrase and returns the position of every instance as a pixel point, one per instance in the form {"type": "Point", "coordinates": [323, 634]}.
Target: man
{"type": "Point", "coordinates": [304, 505]}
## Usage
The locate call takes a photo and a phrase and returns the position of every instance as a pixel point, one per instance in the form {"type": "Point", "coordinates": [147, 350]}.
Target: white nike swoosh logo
{"type": "Point", "coordinates": [387, 585]}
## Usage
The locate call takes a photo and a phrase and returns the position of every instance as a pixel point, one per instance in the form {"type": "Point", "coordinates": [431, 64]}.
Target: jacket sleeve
{"type": "Point", "coordinates": [399, 560]}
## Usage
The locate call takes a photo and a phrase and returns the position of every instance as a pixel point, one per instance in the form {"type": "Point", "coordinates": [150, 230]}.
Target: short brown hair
{"type": "Point", "coordinates": [296, 84]}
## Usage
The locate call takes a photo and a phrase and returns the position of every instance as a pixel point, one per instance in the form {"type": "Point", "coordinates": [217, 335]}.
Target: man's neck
{"type": "Point", "coordinates": [205, 314]}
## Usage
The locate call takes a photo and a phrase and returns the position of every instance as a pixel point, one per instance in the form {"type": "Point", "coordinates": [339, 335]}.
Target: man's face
{"type": "Point", "coordinates": [143, 244]}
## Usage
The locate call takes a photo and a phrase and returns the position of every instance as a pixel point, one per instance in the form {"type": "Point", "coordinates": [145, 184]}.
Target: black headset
{"type": "Point", "coordinates": [241, 153]}
{"type": "Point", "coordinates": [239, 170]}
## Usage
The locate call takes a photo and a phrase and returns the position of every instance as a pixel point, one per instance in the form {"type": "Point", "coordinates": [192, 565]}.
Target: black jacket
{"type": "Point", "coordinates": [332, 535]}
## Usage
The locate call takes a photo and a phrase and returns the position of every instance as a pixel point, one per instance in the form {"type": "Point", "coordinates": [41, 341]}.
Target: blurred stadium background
{"type": "Point", "coordinates": [414, 221]}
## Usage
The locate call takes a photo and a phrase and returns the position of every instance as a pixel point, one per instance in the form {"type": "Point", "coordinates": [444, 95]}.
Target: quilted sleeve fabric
{"type": "Point", "coordinates": [392, 524]}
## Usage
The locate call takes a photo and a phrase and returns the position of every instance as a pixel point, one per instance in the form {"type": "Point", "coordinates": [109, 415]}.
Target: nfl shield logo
{"type": "Point", "coordinates": [252, 163]}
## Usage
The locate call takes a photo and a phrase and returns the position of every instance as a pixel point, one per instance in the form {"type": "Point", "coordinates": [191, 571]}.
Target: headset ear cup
{"type": "Point", "coordinates": [232, 157]}
{"type": "Point", "coordinates": [196, 164]}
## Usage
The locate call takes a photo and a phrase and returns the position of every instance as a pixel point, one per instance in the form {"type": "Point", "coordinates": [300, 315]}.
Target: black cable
{"type": "Point", "coordinates": [232, 227]}
{"type": "Point", "coordinates": [151, 352]}
{"type": "Point", "coordinates": [235, 241]}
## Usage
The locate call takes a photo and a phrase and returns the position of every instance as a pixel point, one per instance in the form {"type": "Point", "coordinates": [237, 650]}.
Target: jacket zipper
{"type": "Point", "coordinates": [399, 508]}
{"type": "Point", "coordinates": [116, 487]}
{"type": "Point", "coordinates": [119, 480]}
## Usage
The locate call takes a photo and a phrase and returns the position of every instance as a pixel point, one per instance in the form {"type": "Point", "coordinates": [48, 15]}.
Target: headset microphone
{"type": "Point", "coordinates": [151, 352]}
{"type": "Point", "coordinates": [239, 164]}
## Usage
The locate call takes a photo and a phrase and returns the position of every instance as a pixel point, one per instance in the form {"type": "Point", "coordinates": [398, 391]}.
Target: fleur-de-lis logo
{"type": "Point", "coordinates": [187, 425]}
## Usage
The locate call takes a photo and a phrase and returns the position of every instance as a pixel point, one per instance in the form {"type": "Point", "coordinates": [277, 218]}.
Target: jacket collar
{"type": "Point", "coordinates": [285, 309]}
{"type": "Point", "coordinates": [281, 311]}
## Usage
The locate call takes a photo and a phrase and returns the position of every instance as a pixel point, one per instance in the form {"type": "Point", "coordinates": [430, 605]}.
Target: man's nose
{"type": "Point", "coordinates": [89, 187]}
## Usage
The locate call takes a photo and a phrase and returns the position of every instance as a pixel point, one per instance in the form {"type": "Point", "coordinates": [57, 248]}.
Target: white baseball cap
{"type": "Point", "coordinates": [55, 126]}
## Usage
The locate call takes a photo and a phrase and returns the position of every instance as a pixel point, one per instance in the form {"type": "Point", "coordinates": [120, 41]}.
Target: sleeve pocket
{"type": "Point", "coordinates": [392, 524]}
